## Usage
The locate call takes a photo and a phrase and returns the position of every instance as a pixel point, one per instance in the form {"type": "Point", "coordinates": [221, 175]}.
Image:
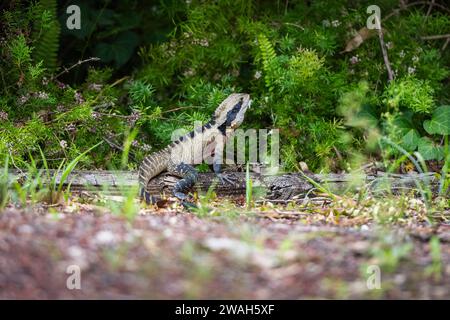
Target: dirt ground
{"type": "Point", "coordinates": [169, 254]}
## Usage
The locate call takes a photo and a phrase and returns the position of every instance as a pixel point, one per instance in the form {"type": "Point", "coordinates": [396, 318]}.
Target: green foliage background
{"type": "Point", "coordinates": [165, 64]}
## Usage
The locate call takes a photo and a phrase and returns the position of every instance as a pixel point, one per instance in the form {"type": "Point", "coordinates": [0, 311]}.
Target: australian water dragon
{"type": "Point", "coordinates": [177, 158]}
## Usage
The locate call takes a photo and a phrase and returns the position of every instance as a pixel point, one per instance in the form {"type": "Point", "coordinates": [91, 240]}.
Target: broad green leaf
{"type": "Point", "coordinates": [429, 150]}
{"type": "Point", "coordinates": [118, 51]}
{"type": "Point", "coordinates": [368, 115]}
{"type": "Point", "coordinates": [404, 122]}
{"type": "Point", "coordinates": [440, 122]}
{"type": "Point", "coordinates": [410, 141]}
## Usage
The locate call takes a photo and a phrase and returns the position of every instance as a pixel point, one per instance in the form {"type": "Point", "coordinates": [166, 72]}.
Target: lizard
{"type": "Point", "coordinates": [177, 157]}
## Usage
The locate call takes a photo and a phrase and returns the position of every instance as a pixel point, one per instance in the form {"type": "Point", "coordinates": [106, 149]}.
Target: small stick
{"type": "Point", "coordinates": [445, 44]}
{"type": "Point", "coordinates": [80, 62]}
{"type": "Point", "coordinates": [116, 146]}
{"type": "Point", "coordinates": [416, 3]}
{"type": "Point", "coordinates": [430, 8]}
{"type": "Point", "coordinates": [180, 108]}
{"type": "Point", "coordinates": [435, 37]}
{"type": "Point", "coordinates": [384, 51]}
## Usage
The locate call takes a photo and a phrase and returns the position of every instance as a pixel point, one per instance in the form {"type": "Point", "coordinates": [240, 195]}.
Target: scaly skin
{"type": "Point", "coordinates": [178, 157]}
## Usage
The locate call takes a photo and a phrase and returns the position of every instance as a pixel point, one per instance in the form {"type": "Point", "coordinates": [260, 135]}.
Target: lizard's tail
{"type": "Point", "coordinates": [151, 166]}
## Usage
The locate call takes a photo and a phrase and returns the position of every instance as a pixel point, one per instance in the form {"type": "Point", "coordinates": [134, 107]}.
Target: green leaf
{"type": "Point", "coordinates": [410, 141]}
{"type": "Point", "coordinates": [403, 122]}
{"type": "Point", "coordinates": [429, 150]}
{"type": "Point", "coordinates": [440, 122]}
{"type": "Point", "coordinates": [368, 115]}
{"type": "Point", "coordinates": [118, 51]}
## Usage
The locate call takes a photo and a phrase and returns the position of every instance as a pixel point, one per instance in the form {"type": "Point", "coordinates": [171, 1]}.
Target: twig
{"type": "Point", "coordinates": [430, 8]}
{"type": "Point", "coordinates": [338, 154]}
{"type": "Point", "coordinates": [384, 51]}
{"type": "Point", "coordinates": [417, 3]}
{"type": "Point", "coordinates": [180, 108]}
{"type": "Point", "coordinates": [445, 44]}
{"type": "Point", "coordinates": [80, 62]}
{"type": "Point", "coordinates": [103, 105]}
{"type": "Point", "coordinates": [112, 144]}
{"type": "Point", "coordinates": [118, 81]}
{"type": "Point", "coordinates": [121, 116]}
{"type": "Point", "coordinates": [294, 25]}
{"type": "Point", "coordinates": [116, 146]}
{"type": "Point", "coordinates": [438, 37]}
{"type": "Point", "coordinates": [435, 37]}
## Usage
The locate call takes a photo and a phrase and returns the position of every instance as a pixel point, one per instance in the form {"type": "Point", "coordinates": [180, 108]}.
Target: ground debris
{"type": "Point", "coordinates": [273, 252]}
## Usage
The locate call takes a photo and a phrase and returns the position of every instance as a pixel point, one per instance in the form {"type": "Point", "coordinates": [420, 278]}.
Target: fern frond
{"type": "Point", "coordinates": [46, 35]}
{"type": "Point", "coordinates": [268, 57]}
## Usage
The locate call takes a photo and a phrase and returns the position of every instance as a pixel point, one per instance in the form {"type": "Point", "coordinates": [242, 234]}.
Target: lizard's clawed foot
{"type": "Point", "coordinates": [227, 179]}
{"type": "Point", "coordinates": [184, 200]}
{"type": "Point", "coordinates": [180, 195]}
{"type": "Point", "coordinates": [188, 205]}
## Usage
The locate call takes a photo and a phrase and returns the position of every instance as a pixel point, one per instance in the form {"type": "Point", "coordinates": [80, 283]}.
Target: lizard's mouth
{"type": "Point", "coordinates": [240, 116]}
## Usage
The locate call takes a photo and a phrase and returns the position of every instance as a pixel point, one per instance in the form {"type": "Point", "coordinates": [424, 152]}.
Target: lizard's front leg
{"type": "Point", "coordinates": [189, 178]}
{"type": "Point", "coordinates": [217, 167]}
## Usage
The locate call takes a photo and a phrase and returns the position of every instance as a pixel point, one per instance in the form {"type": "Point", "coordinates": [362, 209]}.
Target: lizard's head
{"type": "Point", "coordinates": [232, 110]}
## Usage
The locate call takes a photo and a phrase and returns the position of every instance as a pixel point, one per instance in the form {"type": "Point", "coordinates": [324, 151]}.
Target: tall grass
{"type": "Point", "coordinates": [55, 185]}
{"type": "Point", "coordinates": [39, 184]}
{"type": "Point", "coordinates": [4, 184]}
{"type": "Point", "coordinates": [248, 187]}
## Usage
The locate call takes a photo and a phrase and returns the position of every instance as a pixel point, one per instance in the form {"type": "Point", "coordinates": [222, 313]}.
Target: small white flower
{"type": "Point", "coordinates": [146, 147]}
{"type": "Point", "coordinates": [96, 115]}
{"type": "Point", "coordinates": [3, 116]}
{"type": "Point", "coordinates": [401, 54]}
{"type": "Point", "coordinates": [326, 23]}
{"type": "Point", "coordinates": [335, 23]}
{"type": "Point", "coordinates": [60, 84]}
{"type": "Point", "coordinates": [78, 97]}
{"type": "Point", "coordinates": [389, 45]}
{"type": "Point", "coordinates": [133, 118]}
{"type": "Point", "coordinates": [23, 99]}
{"type": "Point", "coordinates": [42, 95]}
{"type": "Point", "coordinates": [63, 144]}
{"type": "Point", "coordinates": [411, 70]}
{"type": "Point", "coordinates": [95, 86]}
{"type": "Point", "coordinates": [71, 127]}
{"type": "Point", "coordinates": [415, 59]}
{"type": "Point", "coordinates": [354, 59]}
{"type": "Point", "coordinates": [189, 72]}
{"type": "Point", "coordinates": [257, 74]}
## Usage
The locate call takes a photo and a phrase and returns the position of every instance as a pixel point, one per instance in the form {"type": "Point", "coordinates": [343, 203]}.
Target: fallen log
{"type": "Point", "coordinates": [281, 186]}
